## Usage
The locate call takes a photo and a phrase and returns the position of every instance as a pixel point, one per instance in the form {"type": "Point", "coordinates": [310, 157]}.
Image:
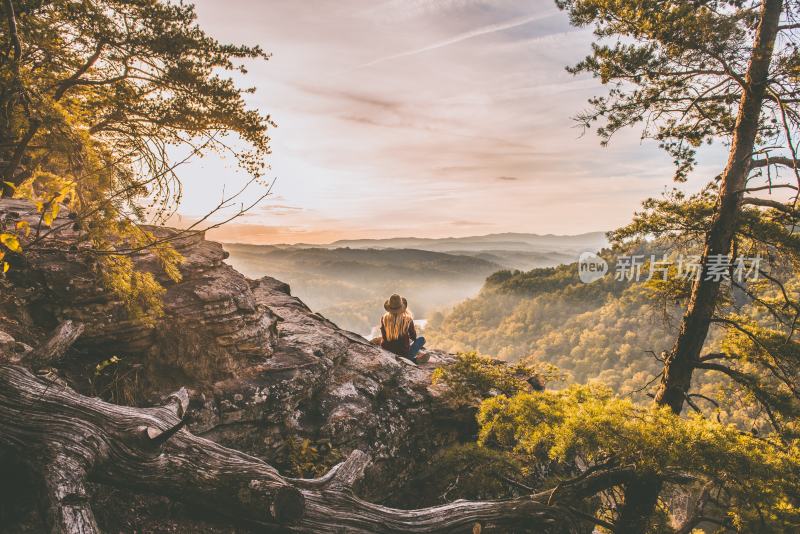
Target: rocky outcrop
{"type": "Point", "coordinates": [336, 390]}
{"type": "Point", "coordinates": [212, 326]}
{"type": "Point", "coordinates": [266, 374]}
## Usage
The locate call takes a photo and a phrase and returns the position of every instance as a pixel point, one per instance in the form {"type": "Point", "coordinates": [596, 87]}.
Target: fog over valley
{"type": "Point", "coordinates": [348, 281]}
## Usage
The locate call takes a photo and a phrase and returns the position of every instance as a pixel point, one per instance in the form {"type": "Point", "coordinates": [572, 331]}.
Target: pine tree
{"type": "Point", "coordinates": [700, 72]}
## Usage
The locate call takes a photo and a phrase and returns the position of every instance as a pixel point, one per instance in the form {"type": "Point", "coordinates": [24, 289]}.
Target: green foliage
{"type": "Point", "coordinates": [62, 192]}
{"type": "Point", "coordinates": [590, 425]}
{"type": "Point", "coordinates": [613, 333]}
{"type": "Point", "coordinates": [473, 377]}
{"type": "Point", "coordinates": [141, 75]}
{"type": "Point", "coordinates": [522, 431]}
{"type": "Point", "coordinates": [140, 291]}
{"type": "Point", "coordinates": [309, 459]}
{"type": "Point", "coordinates": [98, 98]}
{"type": "Point", "coordinates": [688, 73]}
{"type": "Point", "coordinates": [468, 472]}
{"type": "Point", "coordinates": [765, 364]}
{"type": "Point", "coordinates": [681, 218]}
{"type": "Point", "coordinates": [680, 69]}
{"type": "Point", "coordinates": [758, 318]}
{"type": "Point", "coordinates": [599, 331]}
{"type": "Point", "coordinates": [675, 68]}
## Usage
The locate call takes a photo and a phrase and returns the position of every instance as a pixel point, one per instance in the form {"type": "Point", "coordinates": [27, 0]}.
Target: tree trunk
{"type": "Point", "coordinates": [640, 498]}
{"type": "Point", "coordinates": [69, 439]}
{"type": "Point", "coordinates": [680, 363]}
{"type": "Point", "coordinates": [694, 326]}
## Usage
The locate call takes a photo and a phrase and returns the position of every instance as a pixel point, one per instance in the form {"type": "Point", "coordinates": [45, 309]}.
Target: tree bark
{"type": "Point", "coordinates": [640, 499]}
{"type": "Point", "coordinates": [694, 326]}
{"type": "Point", "coordinates": [70, 439]}
{"type": "Point", "coordinates": [685, 354]}
{"type": "Point", "coordinates": [67, 506]}
{"type": "Point", "coordinates": [57, 345]}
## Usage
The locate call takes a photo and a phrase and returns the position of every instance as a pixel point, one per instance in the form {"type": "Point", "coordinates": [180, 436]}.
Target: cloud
{"type": "Point", "coordinates": [484, 30]}
{"type": "Point", "coordinates": [352, 97]}
{"type": "Point", "coordinates": [280, 209]}
{"type": "Point", "coordinates": [476, 130]}
{"type": "Point", "coordinates": [402, 10]}
{"type": "Point", "coordinates": [470, 223]}
{"type": "Point", "coordinates": [260, 234]}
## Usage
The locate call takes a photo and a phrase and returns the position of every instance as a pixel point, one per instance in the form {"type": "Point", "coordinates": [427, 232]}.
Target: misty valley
{"type": "Point", "coordinates": [347, 281]}
{"type": "Point", "coordinates": [210, 321]}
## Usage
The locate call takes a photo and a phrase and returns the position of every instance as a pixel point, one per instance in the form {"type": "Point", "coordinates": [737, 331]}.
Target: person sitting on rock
{"type": "Point", "coordinates": [398, 332]}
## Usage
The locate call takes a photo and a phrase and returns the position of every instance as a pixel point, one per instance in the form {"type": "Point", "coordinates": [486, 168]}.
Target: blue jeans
{"type": "Point", "coordinates": [415, 347]}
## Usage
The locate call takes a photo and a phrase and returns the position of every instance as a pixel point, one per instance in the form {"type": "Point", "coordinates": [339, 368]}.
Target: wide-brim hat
{"type": "Point", "coordinates": [395, 304]}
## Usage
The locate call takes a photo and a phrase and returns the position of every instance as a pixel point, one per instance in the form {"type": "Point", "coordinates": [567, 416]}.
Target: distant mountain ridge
{"type": "Point", "coordinates": [511, 250]}
{"type": "Point", "coordinates": [507, 239]}
{"type": "Point", "coordinates": [508, 250]}
{"type": "Point", "coordinates": [354, 262]}
{"type": "Point", "coordinates": [348, 280]}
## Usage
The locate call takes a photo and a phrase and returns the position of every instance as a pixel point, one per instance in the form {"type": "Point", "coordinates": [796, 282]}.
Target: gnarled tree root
{"type": "Point", "coordinates": [70, 439]}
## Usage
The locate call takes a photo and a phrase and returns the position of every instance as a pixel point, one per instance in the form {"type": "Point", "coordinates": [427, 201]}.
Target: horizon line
{"type": "Point", "coordinates": [379, 239]}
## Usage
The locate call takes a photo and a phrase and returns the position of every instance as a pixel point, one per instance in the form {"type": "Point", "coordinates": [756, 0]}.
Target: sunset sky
{"type": "Point", "coordinates": [425, 118]}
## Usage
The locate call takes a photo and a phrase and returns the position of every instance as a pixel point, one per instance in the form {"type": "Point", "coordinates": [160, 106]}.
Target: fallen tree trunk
{"type": "Point", "coordinates": [70, 439]}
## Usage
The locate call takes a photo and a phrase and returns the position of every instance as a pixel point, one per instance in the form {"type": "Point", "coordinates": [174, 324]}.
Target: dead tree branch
{"type": "Point", "coordinates": [144, 449]}
{"type": "Point", "coordinates": [57, 345]}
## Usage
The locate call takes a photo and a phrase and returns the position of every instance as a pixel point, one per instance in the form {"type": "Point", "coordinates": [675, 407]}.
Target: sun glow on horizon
{"type": "Point", "coordinates": [424, 118]}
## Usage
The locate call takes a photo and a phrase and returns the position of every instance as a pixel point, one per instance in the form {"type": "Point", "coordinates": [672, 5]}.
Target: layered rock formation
{"type": "Point", "coordinates": [212, 326]}
{"type": "Point", "coordinates": [337, 390]}
{"type": "Point", "coordinates": [266, 374]}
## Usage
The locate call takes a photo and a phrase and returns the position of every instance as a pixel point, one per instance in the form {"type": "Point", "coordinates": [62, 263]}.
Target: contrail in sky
{"type": "Point", "coordinates": [463, 37]}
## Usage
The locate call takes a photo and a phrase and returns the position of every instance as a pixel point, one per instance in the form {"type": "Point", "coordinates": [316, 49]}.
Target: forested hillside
{"type": "Point", "coordinates": [147, 386]}
{"type": "Point", "coordinates": [590, 331]}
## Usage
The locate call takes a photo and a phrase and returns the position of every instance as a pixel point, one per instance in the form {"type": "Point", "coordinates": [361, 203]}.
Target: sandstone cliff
{"type": "Point", "coordinates": [265, 374]}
